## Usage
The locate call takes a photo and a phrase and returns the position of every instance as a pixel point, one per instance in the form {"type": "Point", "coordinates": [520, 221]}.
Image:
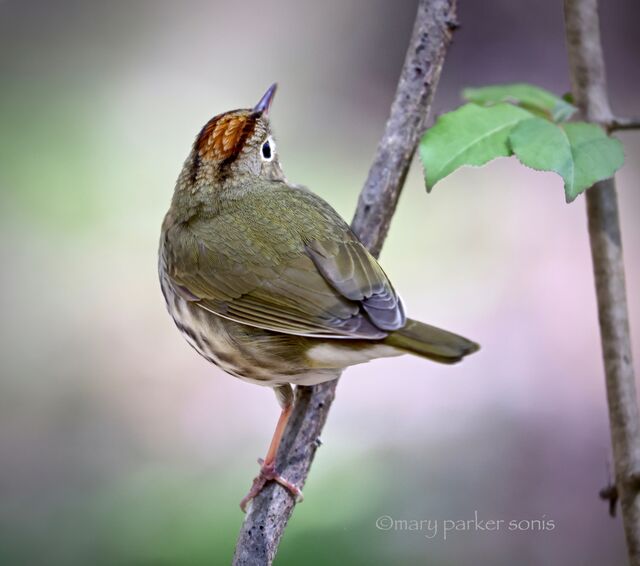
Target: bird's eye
{"type": "Point", "coordinates": [267, 154]}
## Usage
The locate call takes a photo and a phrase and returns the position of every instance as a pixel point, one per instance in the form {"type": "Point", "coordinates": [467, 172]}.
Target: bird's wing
{"type": "Point", "coordinates": [356, 275]}
{"type": "Point", "coordinates": [329, 287]}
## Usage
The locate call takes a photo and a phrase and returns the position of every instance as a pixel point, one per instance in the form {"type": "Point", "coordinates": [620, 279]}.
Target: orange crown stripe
{"type": "Point", "coordinates": [224, 136]}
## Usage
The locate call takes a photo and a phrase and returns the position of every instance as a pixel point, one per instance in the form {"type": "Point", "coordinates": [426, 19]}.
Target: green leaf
{"type": "Point", "coordinates": [544, 146]}
{"type": "Point", "coordinates": [596, 156]}
{"type": "Point", "coordinates": [580, 153]}
{"type": "Point", "coordinates": [533, 98]}
{"type": "Point", "coordinates": [470, 135]}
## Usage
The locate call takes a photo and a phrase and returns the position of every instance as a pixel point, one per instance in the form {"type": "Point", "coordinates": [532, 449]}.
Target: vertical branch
{"type": "Point", "coordinates": [589, 88]}
{"type": "Point", "coordinates": [267, 518]}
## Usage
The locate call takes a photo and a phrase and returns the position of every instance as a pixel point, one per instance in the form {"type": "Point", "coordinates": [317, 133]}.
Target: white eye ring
{"type": "Point", "coordinates": [268, 149]}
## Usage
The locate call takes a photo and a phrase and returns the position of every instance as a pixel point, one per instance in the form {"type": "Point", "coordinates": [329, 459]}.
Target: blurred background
{"type": "Point", "coordinates": [119, 445]}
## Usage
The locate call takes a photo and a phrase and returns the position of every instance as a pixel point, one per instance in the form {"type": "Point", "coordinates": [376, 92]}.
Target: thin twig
{"type": "Point", "coordinates": [589, 88]}
{"type": "Point", "coordinates": [623, 124]}
{"type": "Point", "coordinates": [610, 493]}
{"type": "Point", "coordinates": [266, 520]}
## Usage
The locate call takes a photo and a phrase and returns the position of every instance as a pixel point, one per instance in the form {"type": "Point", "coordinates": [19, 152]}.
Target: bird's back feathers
{"type": "Point", "coordinates": [284, 261]}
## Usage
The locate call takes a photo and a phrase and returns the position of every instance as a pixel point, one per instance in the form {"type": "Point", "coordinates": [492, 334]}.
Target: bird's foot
{"type": "Point", "coordinates": [268, 473]}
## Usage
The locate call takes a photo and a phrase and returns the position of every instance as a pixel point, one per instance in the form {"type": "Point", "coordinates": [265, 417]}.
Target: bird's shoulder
{"type": "Point", "coordinates": [276, 220]}
{"type": "Point", "coordinates": [291, 207]}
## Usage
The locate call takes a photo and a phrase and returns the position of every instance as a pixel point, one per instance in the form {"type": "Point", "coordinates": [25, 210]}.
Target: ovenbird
{"type": "Point", "coordinates": [265, 280]}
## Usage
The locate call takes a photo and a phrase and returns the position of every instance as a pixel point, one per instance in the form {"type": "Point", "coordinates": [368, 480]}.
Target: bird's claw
{"type": "Point", "coordinates": [268, 473]}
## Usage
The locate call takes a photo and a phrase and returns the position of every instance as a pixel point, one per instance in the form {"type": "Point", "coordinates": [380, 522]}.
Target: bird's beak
{"type": "Point", "coordinates": [265, 102]}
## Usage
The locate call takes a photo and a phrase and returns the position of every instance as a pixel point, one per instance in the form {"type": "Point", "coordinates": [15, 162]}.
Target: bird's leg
{"type": "Point", "coordinates": [268, 465]}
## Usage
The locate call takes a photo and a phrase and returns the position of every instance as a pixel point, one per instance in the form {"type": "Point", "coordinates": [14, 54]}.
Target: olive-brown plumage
{"type": "Point", "coordinates": [267, 281]}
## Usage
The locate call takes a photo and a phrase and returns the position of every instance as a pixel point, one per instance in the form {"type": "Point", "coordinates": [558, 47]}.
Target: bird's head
{"type": "Point", "coordinates": [237, 144]}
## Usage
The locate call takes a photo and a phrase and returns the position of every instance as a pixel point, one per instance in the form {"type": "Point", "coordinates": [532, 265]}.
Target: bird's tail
{"type": "Point", "coordinates": [431, 342]}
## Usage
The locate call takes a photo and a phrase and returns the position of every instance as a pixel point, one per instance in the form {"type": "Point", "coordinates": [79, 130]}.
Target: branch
{"type": "Point", "coordinates": [623, 124]}
{"type": "Point", "coordinates": [589, 89]}
{"type": "Point", "coordinates": [266, 520]}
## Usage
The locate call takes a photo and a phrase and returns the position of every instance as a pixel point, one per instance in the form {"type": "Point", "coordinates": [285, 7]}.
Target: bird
{"type": "Point", "coordinates": [265, 280]}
